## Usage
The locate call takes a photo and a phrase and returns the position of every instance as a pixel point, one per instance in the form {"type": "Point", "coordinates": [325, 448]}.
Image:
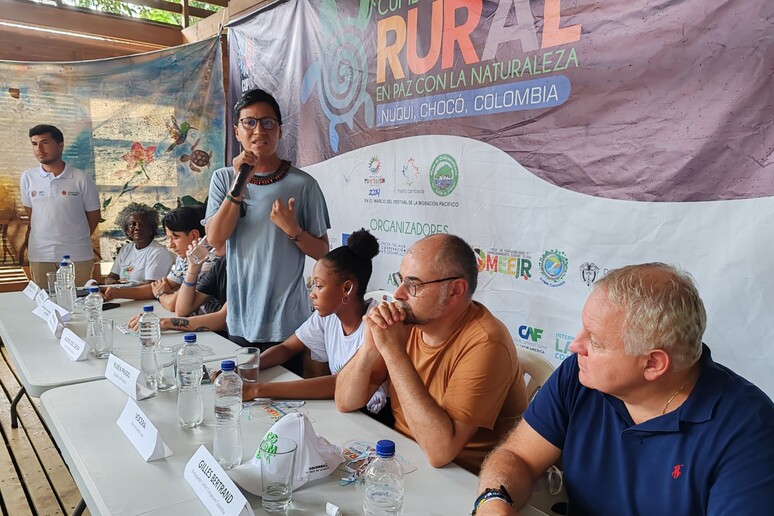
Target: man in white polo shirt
{"type": "Point", "coordinates": [63, 205]}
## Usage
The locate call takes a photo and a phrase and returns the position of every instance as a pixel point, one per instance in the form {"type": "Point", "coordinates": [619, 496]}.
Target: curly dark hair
{"type": "Point", "coordinates": [354, 259]}
{"type": "Point", "coordinates": [149, 216]}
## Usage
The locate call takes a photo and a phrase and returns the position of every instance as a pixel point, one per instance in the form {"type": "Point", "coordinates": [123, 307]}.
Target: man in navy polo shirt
{"type": "Point", "coordinates": [644, 420]}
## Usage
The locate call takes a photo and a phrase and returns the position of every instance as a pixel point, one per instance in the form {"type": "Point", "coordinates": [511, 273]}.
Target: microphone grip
{"type": "Point", "coordinates": [244, 171]}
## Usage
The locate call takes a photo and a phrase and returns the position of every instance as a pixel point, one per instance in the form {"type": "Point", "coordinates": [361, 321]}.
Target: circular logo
{"type": "Point", "coordinates": [444, 175]}
{"type": "Point", "coordinates": [553, 266]}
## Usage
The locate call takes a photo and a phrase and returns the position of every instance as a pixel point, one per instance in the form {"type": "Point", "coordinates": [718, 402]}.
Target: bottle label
{"type": "Point", "coordinates": [142, 433]}
{"type": "Point", "coordinates": [217, 492]}
{"type": "Point", "coordinates": [74, 346]}
{"type": "Point", "coordinates": [127, 378]}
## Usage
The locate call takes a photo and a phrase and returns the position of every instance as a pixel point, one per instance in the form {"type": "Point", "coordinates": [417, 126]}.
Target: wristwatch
{"type": "Point", "coordinates": [492, 494]}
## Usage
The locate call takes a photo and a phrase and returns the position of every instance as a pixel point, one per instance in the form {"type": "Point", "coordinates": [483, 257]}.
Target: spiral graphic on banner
{"type": "Point", "coordinates": [344, 75]}
{"type": "Point", "coordinates": [341, 77]}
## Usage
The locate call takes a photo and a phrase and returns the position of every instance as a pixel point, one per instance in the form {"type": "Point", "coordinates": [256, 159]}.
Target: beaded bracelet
{"type": "Point", "coordinates": [188, 284]}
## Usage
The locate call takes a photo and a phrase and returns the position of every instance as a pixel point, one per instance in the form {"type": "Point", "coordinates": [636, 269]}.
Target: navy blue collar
{"type": "Point", "coordinates": [698, 408]}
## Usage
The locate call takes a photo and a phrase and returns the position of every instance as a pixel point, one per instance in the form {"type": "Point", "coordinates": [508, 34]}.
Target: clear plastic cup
{"type": "Point", "coordinates": [201, 252]}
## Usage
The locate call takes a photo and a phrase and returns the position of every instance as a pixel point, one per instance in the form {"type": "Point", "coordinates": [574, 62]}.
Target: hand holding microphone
{"type": "Point", "coordinates": [241, 180]}
{"type": "Point", "coordinates": [244, 163]}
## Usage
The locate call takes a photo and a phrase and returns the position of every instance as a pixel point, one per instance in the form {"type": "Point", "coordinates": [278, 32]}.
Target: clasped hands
{"type": "Point", "coordinates": [386, 323]}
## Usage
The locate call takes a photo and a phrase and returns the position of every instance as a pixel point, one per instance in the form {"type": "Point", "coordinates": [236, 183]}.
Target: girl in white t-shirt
{"type": "Point", "coordinates": [335, 330]}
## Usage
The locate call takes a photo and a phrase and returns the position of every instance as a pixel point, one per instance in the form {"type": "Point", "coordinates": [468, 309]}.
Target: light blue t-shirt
{"type": "Point", "coordinates": [266, 291]}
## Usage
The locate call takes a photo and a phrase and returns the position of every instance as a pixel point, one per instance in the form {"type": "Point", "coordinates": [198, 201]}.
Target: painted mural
{"type": "Point", "coordinates": [149, 128]}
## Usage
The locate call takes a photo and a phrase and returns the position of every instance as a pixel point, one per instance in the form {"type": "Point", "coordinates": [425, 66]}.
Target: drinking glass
{"type": "Point", "coordinates": [103, 344]}
{"type": "Point", "coordinates": [202, 251]}
{"type": "Point", "coordinates": [248, 362]}
{"type": "Point", "coordinates": [166, 377]}
{"type": "Point", "coordinates": [51, 279]}
{"type": "Point", "coordinates": [278, 457]}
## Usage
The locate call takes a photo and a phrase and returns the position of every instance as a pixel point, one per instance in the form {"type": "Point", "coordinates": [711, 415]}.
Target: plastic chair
{"type": "Point", "coordinates": [548, 492]}
{"type": "Point", "coordinates": [380, 295]}
{"type": "Point", "coordinates": [538, 369]}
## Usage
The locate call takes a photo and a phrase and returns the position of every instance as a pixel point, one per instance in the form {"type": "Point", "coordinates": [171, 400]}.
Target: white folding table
{"type": "Point", "coordinates": [115, 480]}
{"type": "Point", "coordinates": [42, 363]}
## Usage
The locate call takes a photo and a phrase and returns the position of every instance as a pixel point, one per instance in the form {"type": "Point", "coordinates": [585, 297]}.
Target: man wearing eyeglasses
{"type": "Point", "coordinates": [456, 385]}
{"type": "Point", "coordinates": [268, 226]}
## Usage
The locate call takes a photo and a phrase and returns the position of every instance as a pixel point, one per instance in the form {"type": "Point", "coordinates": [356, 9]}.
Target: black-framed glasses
{"type": "Point", "coordinates": [250, 123]}
{"type": "Point", "coordinates": [411, 284]}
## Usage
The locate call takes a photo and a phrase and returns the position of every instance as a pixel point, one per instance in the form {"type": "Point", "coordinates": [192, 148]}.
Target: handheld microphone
{"type": "Point", "coordinates": [244, 171]}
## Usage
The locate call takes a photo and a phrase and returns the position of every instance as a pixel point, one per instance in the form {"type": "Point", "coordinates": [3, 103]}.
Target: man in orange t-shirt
{"type": "Point", "coordinates": [456, 385]}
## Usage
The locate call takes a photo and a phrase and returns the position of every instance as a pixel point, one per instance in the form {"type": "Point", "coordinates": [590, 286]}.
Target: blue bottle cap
{"type": "Point", "coordinates": [385, 448]}
{"type": "Point", "coordinates": [227, 365]}
{"type": "Point", "coordinates": [147, 308]}
{"type": "Point", "coordinates": [189, 337]}
{"type": "Point", "coordinates": [65, 257]}
{"type": "Point", "coordinates": [93, 290]}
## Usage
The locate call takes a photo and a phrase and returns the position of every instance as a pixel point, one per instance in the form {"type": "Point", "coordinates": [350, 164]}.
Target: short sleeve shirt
{"type": "Point", "coordinates": [475, 376]}
{"type": "Point", "coordinates": [712, 455]}
{"type": "Point", "coordinates": [269, 301]}
{"type": "Point", "coordinates": [147, 264]}
{"type": "Point", "coordinates": [180, 267]}
{"type": "Point", "coordinates": [213, 283]}
{"type": "Point", "coordinates": [59, 204]}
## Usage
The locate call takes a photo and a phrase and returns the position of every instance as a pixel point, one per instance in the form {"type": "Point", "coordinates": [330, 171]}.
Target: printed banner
{"type": "Point", "coordinates": [560, 138]}
{"type": "Point", "coordinates": [149, 128]}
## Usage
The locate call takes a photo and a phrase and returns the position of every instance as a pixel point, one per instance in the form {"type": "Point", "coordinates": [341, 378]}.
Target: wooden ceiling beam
{"type": "Point", "coordinates": [19, 44]}
{"type": "Point", "coordinates": [81, 21]}
{"type": "Point", "coordinates": [173, 7]}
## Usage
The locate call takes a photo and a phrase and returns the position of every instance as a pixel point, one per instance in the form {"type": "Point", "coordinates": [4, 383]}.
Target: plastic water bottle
{"type": "Point", "coordinates": [149, 328]}
{"type": "Point", "coordinates": [70, 265]}
{"type": "Point", "coordinates": [93, 307]}
{"type": "Point", "coordinates": [384, 483]}
{"type": "Point", "coordinates": [189, 383]}
{"type": "Point", "coordinates": [227, 448]}
{"type": "Point", "coordinates": [65, 287]}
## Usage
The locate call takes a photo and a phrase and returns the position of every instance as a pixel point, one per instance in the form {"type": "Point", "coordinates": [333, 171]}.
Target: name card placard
{"type": "Point", "coordinates": [44, 311]}
{"type": "Point", "coordinates": [30, 290]}
{"type": "Point", "coordinates": [55, 324]}
{"type": "Point", "coordinates": [40, 297]}
{"type": "Point", "coordinates": [217, 492]}
{"type": "Point", "coordinates": [127, 378]}
{"type": "Point", "coordinates": [141, 433]}
{"type": "Point", "coordinates": [74, 346]}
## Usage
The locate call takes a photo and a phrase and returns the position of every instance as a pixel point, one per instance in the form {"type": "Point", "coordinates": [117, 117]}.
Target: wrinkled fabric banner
{"type": "Point", "coordinates": [664, 101]}
{"type": "Point", "coordinates": [560, 138]}
{"type": "Point", "coordinates": [148, 127]}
